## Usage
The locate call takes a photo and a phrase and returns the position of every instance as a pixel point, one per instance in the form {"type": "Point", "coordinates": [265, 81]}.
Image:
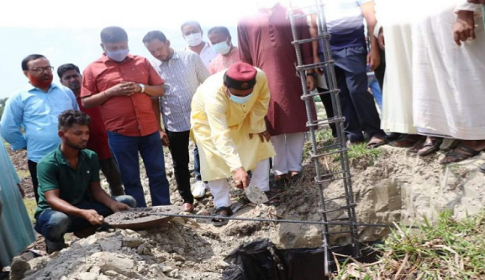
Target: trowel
{"type": "Point", "coordinates": [255, 195]}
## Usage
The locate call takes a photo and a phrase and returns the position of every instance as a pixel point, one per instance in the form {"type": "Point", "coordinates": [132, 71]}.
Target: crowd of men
{"type": "Point", "coordinates": [240, 105]}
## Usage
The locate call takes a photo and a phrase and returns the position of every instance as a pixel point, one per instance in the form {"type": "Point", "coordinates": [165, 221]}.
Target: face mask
{"type": "Point", "coordinates": [40, 82]}
{"type": "Point", "coordinates": [194, 39]}
{"type": "Point", "coordinates": [222, 48]}
{"type": "Point", "coordinates": [118, 55]}
{"type": "Point", "coordinates": [240, 99]}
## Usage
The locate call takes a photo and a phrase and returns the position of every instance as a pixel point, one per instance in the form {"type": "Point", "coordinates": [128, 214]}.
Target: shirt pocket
{"type": "Point", "coordinates": [138, 76]}
{"type": "Point", "coordinates": [38, 107]}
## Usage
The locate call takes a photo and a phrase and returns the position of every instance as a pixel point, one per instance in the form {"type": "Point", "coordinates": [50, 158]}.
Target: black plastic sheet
{"type": "Point", "coordinates": [261, 260]}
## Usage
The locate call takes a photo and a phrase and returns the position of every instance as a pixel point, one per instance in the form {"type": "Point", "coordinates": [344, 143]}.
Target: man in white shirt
{"type": "Point", "coordinates": [192, 32]}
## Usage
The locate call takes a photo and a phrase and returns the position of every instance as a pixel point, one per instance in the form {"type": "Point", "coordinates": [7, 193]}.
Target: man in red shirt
{"type": "Point", "coordinates": [70, 77]}
{"type": "Point", "coordinates": [126, 87]}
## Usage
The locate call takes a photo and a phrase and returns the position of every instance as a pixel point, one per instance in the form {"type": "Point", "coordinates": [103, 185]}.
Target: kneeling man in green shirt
{"type": "Point", "coordinates": [70, 195]}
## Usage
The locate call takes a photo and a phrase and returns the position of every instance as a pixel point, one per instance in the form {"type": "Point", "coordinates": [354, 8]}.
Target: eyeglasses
{"type": "Point", "coordinates": [39, 70]}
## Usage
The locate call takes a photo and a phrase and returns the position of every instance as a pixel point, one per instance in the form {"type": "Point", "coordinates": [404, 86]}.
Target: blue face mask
{"type": "Point", "coordinates": [118, 55]}
{"type": "Point", "coordinates": [240, 99]}
{"type": "Point", "coordinates": [222, 47]}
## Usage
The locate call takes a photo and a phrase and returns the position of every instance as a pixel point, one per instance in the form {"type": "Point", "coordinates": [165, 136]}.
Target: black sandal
{"type": "Point", "coordinates": [217, 221]}
{"type": "Point", "coordinates": [455, 156]}
{"type": "Point", "coordinates": [273, 198]}
{"type": "Point", "coordinates": [280, 185]}
{"type": "Point", "coordinates": [376, 141]}
{"type": "Point", "coordinates": [430, 146]}
{"type": "Point", "coordinates": [296, 177]}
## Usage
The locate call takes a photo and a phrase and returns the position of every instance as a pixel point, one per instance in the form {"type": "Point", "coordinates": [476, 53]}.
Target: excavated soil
{"type": "Point", "coordinates": [395, 187]}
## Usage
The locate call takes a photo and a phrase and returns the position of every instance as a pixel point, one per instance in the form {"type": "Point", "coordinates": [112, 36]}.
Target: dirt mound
{"type": "Point", "coordinates": [183, 248]}
{"type": "Point", "coordinates": [394, 187]}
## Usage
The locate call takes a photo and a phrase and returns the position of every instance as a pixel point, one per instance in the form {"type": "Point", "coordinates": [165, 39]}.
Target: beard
{"type": "Point", "coordinates": [79, 146]}
{"type": "Point", "coordinates": [43, 81]}
{"type": "Point", "coordinates": [75, 86]}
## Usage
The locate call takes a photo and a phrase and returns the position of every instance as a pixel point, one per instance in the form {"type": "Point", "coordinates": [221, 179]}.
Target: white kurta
{"type": "Point", "coordinates": [449, 80]}
{"type": "Point", "coordinates": [395, 18]}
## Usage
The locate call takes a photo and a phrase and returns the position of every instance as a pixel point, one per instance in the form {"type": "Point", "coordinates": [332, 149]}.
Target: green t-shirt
{"type": "Point", "coordinates": [54, 172]}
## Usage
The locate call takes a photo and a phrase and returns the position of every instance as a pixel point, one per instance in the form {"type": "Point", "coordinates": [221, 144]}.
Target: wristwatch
{"type": "Point", "coordinates": [142, 88]}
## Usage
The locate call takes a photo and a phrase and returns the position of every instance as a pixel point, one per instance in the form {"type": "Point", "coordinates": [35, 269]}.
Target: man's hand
{"type": "Point", "coordinates": [93, 217]}
{"type": "Point", "coordinates": [165, 139]}
{"type": "Point", "coordinates": [123, 89]}
{"type": "Point", "coordinates": [21, 190]}
{"type": "Point", "coordinates": [311, 83]}
{"type": "Point", "coordinates": [319, 70]}
{"type": "Point", "coordinates": [380, 39]}
{"type": "Point", "coordinates": [263, 136]}
{"type": "Point", "coordinates": [118, 206]}
{"type": "Point", "coordinates": [476, 1]}
{"type": "Point", "coordinates": [464, 27]}
{"type": "Point", "coordinates": [373, 59]}
{"type": "Point", "coordinates": [240, 178]}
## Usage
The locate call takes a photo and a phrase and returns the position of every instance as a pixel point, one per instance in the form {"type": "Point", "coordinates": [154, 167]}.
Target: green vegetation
{"type": "Point", "coordinates": [31, 207]}
{"type": "Point", "coordinates": [23, 174]}
{"type": "Point", "coordinates": [355, 152]}
{"type": "Point", "coordinates": [449, 249]}
{"type": "Point", "coordinates": [360, 151]}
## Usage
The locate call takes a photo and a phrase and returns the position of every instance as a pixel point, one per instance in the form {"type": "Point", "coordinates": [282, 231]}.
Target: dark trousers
{"type": "Point", "coordinates": [53, 224]}
{"type": "Point", "coordinates": [381, 70]}
{"type": "Point", "coordinates": [358, 105]}
{"type": "Point", "coordinates": [33, 174]}
{"type": "Point", "coordinates": [125, 150]}
{"type": "Point", "coordinates": [179, 148]}
{"type": "Point", "coordinates": [198, 177]}
{"type": "Point", "coordinates": [327, 104]}
{"type": "Point", "coordinates": [112, 173]}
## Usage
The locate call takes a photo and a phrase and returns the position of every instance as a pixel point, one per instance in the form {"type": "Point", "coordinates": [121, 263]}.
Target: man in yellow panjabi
{"type": "Point", "coordinates": [228, 125]}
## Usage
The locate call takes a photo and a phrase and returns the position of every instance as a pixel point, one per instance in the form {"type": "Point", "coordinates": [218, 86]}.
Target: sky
{"type": "Point", "coordinates": [68, 32]}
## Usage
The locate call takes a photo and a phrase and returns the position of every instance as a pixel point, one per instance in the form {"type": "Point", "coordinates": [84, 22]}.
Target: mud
{"type": "Point", "coordinates": [141, 215]}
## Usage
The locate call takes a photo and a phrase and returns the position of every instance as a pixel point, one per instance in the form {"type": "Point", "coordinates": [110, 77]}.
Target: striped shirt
{"type": "Point", "coordinates": [183, 74]}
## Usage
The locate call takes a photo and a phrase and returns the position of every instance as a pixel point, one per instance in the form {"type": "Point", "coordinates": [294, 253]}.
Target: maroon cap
{"type": "Point", "coordinates": [241, 76]}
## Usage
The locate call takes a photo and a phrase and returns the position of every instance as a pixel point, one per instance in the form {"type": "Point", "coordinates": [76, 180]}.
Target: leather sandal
{"type": "Point", "coordinates": [406, 141]}
{"type": "Point", "coordinates": [430, 146]}
{"type": "Point", "coordinates": [273, 198]}
{"type": "Point", "coordinates": [376, 141]}
{"type": "Point", "coordinates": [417, 146]}
{"type": "Point", "coordinates": [455, 156]}
{"type": "Point", "coordinates": [188, 207]}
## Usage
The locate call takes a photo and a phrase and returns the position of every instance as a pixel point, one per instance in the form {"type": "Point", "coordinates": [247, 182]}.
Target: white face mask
{"type": "Point", "coordinates": [222, 47]}
{"type": "Point", "coordinates": [118, 55]}
{"type": "Point", "coordinates": [240, 99]}
{"type": "Point", "coordinates": [194, 39]}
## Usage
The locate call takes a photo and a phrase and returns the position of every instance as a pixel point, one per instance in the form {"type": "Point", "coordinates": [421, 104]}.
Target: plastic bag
{"type": "Point", "coordinates": [261, 260]}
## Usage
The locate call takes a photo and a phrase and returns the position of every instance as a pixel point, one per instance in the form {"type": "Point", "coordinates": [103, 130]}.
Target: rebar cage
{"type": "Point", "coordinates": [343, 204]}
